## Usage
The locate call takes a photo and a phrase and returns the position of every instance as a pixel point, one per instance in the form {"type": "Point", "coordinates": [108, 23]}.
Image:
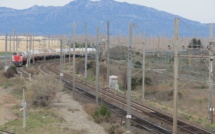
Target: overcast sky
{"type": "Point", "coordinates": [198, 10]}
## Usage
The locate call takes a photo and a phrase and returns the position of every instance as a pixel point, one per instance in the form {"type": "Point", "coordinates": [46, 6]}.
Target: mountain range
{"type": "Point", "coordinates": [58, 20]}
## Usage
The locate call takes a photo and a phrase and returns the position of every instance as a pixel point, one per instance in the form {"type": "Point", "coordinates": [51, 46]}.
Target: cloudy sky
{"type": "Point", "coordinates": [198, 10]}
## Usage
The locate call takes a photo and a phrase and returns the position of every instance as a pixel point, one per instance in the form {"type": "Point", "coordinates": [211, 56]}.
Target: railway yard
{"type": "Point", "coordinates": [149, 116]}
{"type": "Point", "coordinates": [140, 85]}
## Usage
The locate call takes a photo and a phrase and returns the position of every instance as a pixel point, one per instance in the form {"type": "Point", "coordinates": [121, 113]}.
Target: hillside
{"type": "Point", "coordinates": [58, 20]}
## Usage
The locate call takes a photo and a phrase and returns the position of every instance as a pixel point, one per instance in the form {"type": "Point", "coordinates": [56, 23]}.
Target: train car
{"type": "Point", "coordinates": [17, 59]}
{"type": "Point", "coordinates": [20, 58]}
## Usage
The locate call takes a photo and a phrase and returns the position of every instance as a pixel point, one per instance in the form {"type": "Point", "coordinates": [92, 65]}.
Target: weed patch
{"type": "Point", "coordinates": [43, 90]}
{"type": "Point", "coordinates": [42, 121]}
{"type": "Point", "coordinates": [11, 71]}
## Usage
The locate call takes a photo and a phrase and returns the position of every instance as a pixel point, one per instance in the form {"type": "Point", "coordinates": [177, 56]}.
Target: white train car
{"type": "Point", "coordinates": [40, 54]}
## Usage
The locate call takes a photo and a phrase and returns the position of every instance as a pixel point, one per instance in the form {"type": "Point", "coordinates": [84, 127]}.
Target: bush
{"type": "Point", "coordinates": [137, 81]}
{"type": "Point", "coordinates": [195, 43]}
{"type": "Point", "coordinates": [90, 65]}
{"type": "Point", "coordinates": [148, 81]}
{"type": "Point", "coordinates": [80, 67]}
{"type": "Point", "coordinates": [43, 90]}
{"type": "Point", "coordinates": [115, 129]}
{"type": "Point", "coordinates": [137, 64]}
{"type": "Point", "coordinates": [102, 114]}
{"type": "Point", "coordinates": [119, 53]}
{"type": "Point", "coordinates": [11, 71]}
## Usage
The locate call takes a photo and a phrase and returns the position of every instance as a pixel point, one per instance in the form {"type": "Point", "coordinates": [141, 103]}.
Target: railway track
{"type": "Point", "coordinates": [117, 104]}
{"type": "Point", "coordinates": [88, 91]}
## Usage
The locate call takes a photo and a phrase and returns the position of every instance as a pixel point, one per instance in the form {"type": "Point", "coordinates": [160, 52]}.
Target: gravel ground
{"type": "Point", "coordinates": [74, 115]}
{"type": "Point", "coordinates": [8, 100]}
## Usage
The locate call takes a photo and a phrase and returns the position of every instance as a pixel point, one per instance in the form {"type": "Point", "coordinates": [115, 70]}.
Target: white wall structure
{"type": "Point", "coordinates": [113, 82]}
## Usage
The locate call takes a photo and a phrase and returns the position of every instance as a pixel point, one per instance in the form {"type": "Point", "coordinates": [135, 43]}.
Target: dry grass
{"type": "Point", "coordinates": [90, 108]}
{"type": "Point", "coordinates": [113, 128]}
{"type": "Point", "coordinates": [32, 70]}
{"type": "Point", "coordinates": [43, 90]}
{"type": "Point", "coordinates": [192, 102]}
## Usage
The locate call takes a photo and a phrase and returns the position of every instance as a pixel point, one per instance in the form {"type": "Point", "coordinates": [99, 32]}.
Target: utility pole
{"type": "Point", "coordinates": [2, 121]}
{"type": "Point", "coordinates": [49, 43]}
{"type": "Point", "coordinates": [26, 43]}
{"type": "Point", "coordinates": [64, 56]}
{"type": "Point", "coordinates": [16, 43]}
{"type": "Point", "coordinates": [97, 64]}
{"type": "Point", "coordinates": [5, 55]}
{"type": "Point", "coordinates": [10, 51]}
{"type": "Point", "coordinates": [44, 47]}
{"type": "Point", "coordinates": [175, 78]}
{"type": "Point", "coordinates": [108, 52]}
{"type": "Point", "coordinates": [158, 54]}
{"type": "Point", "coordinates": [129, 71]}
{"type": "Point", "coordinates": [210, 106]}
{"type": "Point", "coordinates": [85, 71]}
{"type": "Point", "coordinates": [143, 69]}
{"type": "Point", "coordinates": [14, 40]}
{"type": "Point", "coordinates": [33, 50]}
{"type": "Point", "coordinates": [69, 43]}
{"type": "Point", "coordinates": [24, 109]}
{"type": "Point", "coordinates": [74, 32]}
{"type": "Point", "coordinates": [27, 51]}
{"type": "Point", "coordinates": [30, 49]}
{"type": "Point", "coordinates": [61, 59]}
{"type": "Point", "coordinates": [10, 44]}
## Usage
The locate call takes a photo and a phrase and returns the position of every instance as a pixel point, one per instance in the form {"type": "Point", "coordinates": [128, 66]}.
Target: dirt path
{"type": "Point", "coordinates": [74, 115]}
{"type": "Point", "coordinates": [8, 102]}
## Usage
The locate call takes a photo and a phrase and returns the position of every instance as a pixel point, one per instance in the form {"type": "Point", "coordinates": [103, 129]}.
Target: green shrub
{"type": "Point", "coordinates": [148, 81]}
{"type": "Point", "coordinates": [80, 67]}
{"type": "Point", "coordinates": [11, 71]}
{"type": "Point", "coordinates": [102, 114]}
{"type": "Point", "coordinates": [137, 64]}
{"type": "Point", "coordinates": [137, 81]}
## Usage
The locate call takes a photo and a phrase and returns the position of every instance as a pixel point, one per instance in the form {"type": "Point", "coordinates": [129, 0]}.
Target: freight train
{"type": "Point", "coordinates": [20, 58]}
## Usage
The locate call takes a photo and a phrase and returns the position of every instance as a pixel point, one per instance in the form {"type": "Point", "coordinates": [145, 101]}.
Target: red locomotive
{"type": "Point", "coordinates": [17, 59]}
